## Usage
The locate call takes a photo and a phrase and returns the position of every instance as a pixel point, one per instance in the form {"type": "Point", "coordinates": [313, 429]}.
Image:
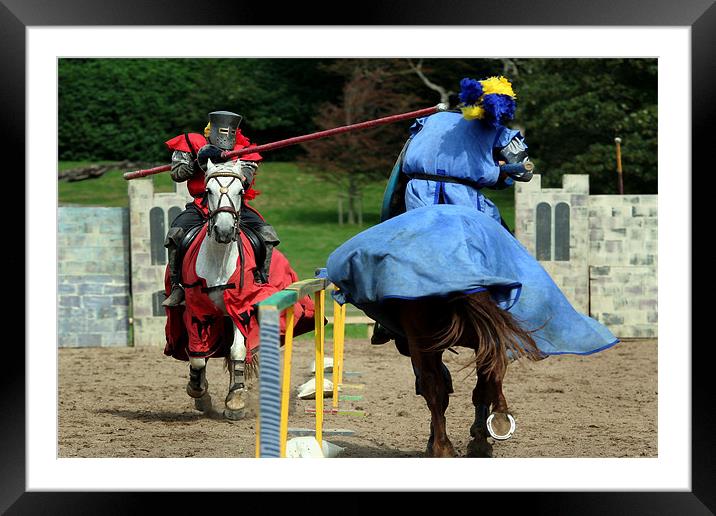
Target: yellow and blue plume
{"type": "Point", "coordinates": [491, 99]}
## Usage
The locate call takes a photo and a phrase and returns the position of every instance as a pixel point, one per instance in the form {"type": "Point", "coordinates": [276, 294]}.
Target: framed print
{"type": "Point", "coordinates": [675, 476]}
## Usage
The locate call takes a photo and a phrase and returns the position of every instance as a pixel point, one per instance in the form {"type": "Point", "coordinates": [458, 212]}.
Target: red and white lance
{"type": "Point", "coordinates": [301, 139]}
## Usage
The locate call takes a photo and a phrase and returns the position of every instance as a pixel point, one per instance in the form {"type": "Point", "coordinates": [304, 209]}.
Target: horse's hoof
{"type": "Point", "coordinates": [234, 415]}
{"type": "Point", "coordinates": [235, 405]}
{"type": "Point", "coordinates": [203, 404]}
{"type": "Point", "coordinates": [446, 451]}
{"type": "Point", "coordinates": [500, 425]}
{"type": "Point", "coordinates": [479, 448]}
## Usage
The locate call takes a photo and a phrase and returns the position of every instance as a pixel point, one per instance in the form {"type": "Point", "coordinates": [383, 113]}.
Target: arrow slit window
{"type": "Point", "coordinates": [548, 248]}
{"type": "Point", "coordinates": [157, 234]}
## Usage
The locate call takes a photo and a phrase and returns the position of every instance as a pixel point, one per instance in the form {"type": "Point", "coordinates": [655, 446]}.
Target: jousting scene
{"type": "Point", "coordinates": [373, 258]}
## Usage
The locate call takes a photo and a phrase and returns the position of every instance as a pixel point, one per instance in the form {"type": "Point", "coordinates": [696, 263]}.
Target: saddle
{"type": "Point", "coordinates": [257, 245]}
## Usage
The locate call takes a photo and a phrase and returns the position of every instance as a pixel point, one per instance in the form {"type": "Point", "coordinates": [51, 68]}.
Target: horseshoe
{"type": "Point", "coordinates": [501, 437]}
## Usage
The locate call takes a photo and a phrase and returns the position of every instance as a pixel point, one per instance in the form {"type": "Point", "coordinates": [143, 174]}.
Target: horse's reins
{"type": "Point", "coordinates": [231, 209]}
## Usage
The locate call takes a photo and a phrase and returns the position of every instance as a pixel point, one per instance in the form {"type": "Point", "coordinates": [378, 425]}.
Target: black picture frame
{"type": "Point", "coordinates": [17, 15]}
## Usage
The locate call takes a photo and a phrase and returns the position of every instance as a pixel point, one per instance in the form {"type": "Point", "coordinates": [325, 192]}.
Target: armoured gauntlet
{"type": "Point", "coordinates": [516, 152]}
{"type": "Point", "coordinates": [209, 152]}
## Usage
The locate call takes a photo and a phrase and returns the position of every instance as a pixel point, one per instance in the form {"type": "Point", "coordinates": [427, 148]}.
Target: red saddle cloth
{"type": "Point", "coordinates": [200, 329]}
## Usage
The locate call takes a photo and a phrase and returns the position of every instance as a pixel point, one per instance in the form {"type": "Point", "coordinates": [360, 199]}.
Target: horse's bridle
{"type": "Point", "coordinates": [224, 191]}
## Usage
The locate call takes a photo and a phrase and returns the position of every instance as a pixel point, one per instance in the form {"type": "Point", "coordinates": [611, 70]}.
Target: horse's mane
{"type": "Point", "coordinates": [475, 321]}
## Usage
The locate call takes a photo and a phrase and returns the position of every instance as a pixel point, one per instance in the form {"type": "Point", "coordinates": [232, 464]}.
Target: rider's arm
{"type": "Point", "coordinates": [516, 152]}
{"type": "Point", "coordinates": [248, 168]}
{"type": "Point", "coordinates": [503, 181]}
{"type": "Point", "coordinates": [182, 166]}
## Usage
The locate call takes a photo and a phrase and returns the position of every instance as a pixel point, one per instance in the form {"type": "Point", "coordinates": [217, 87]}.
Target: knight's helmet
{"type": "Point", "coordinates": [222, 129]}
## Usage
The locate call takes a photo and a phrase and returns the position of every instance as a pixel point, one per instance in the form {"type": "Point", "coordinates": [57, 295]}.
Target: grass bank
{"type": "Point", "coordinates": [302, 208]}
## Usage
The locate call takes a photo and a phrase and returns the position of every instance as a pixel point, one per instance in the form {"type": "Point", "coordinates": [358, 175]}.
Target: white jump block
{"type": "Point", "coordinates": [327, 365]}
{"type": "Point", "coordinates": [307, 391]}
{"type": "Point", "coordinates": [307, 448]}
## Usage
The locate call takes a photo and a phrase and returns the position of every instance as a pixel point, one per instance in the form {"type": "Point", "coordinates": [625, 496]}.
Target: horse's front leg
{"type": "Point", "coordinates": [198, 386]}
{"type": "Point", "coordinates": [235, 404]}
{"type": "Point", "coordinates": [434, 388]}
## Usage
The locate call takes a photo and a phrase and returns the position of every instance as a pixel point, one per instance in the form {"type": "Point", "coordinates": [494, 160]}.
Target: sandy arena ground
{"type": "Point", "coordinates": [131, 403]}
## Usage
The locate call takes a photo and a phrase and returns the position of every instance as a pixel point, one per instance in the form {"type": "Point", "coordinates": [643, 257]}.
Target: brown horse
{"type": "Point", "coordinates": [474, 321]}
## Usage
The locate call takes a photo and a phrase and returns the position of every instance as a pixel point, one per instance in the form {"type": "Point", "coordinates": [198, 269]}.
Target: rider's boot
{"type": "Point", "coordinates": [176, 296]}
{"type": "Point", "coordinates": [236, 398]}
{"type": "Point", "coordinates": [270, 240]}
{"type": "Point", "coordinates": [381, 334]}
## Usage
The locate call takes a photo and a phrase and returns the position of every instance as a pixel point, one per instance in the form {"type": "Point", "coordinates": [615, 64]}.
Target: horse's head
{"type": "Point", "coordinates": [224, 189]}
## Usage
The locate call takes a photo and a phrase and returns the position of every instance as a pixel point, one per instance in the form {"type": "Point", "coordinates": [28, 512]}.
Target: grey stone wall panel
{"type": "Point", "coordinates": [148, 330]}
{"type": "Point", "coordinates": [93, 277]}
{"type": "Point", "coordinates": [613, 250]}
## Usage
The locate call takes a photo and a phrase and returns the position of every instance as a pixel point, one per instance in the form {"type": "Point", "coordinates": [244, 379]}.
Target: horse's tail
{"type": "Point", "coordinates": [251, 369]}
{"type": "Point", "coordinates": [494, 331]}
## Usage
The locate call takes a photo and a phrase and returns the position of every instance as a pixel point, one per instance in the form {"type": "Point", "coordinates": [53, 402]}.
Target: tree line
{"type": "Point", "coordinates": [570, 110]}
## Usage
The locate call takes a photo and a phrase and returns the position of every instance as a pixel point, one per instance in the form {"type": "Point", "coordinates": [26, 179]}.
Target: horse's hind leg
{"type": "Point", "coordinates": [432, 378]}
{"type": "Point", "coordinates": [479, 447]}
{"type": "Point", "coordinates": [434, 388]}
{"type": "Point", "coordinates": [492, 417]}
{"type": "Point", "coordinates": [235, 404]}
{"type": "Point", "coordinates": [500, 423]}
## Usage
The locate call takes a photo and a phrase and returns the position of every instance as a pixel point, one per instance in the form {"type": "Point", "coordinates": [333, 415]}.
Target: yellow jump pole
{"type": "Point", "coordinates": [338, 337]}
{"type": "Point", "coordinates": [286, 378]}
{"type": "Point", "coordinates": [320, 315]}
{"type": "Point", "coordinates": [258, 437]}
{"type": "Point", "coordinates": [343, 341]}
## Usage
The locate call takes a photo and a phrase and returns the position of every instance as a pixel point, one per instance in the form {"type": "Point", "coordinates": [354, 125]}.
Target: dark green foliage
{"type": "Point", "coordinates": [574, 108]}
{"type": "Point", "coordinates": [116, 109]}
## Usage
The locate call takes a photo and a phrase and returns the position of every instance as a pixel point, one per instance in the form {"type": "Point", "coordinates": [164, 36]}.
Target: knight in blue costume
{"type": "Point", "coordinates": [405, 258]}
{"type": "Point", "coordinates": [451, 156]}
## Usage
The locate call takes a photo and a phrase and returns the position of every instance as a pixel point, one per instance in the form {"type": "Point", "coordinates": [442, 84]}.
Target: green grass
{"type": "Point", "coordinates": [302, 208]}
{"type": "Point", "coordinates": [109, 190]}
{"type": "Point", "coordinates": [352, 331]}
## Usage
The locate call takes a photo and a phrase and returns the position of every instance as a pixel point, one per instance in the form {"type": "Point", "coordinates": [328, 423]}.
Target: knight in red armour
{"type": "Point", "coordinates": [191, 152]}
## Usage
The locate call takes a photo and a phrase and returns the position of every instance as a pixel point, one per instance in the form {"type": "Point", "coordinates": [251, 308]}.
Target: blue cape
{"type": "Point", "coordinates": [444, 249]}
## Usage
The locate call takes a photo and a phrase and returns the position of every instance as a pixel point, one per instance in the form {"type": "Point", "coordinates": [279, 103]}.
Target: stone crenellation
{"type": "Point", "coordinates": [610, 268]}
{"type": "Point", "coordinates": [150, 214]}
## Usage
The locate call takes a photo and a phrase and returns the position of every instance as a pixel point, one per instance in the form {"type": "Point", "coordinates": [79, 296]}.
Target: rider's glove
{"type": "Point", "coordinates": [209, 152]}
